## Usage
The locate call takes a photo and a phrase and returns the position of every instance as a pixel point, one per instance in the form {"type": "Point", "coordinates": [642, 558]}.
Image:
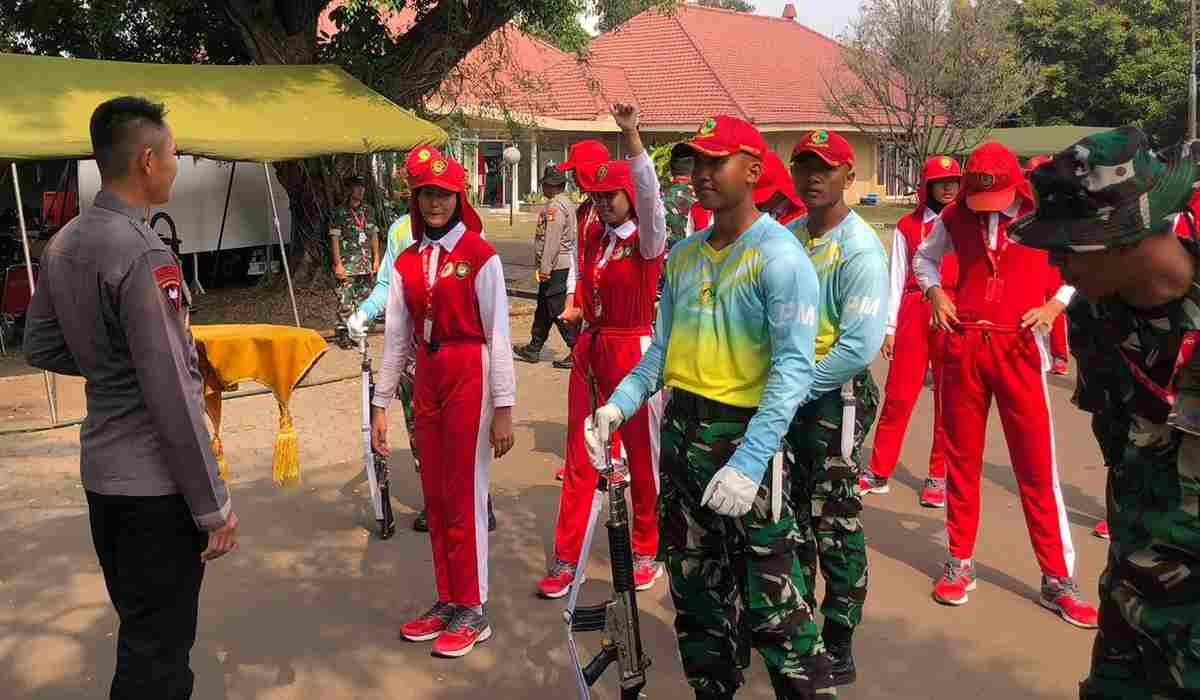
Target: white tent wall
{"type": "Point", "coordinates": [198, 199]}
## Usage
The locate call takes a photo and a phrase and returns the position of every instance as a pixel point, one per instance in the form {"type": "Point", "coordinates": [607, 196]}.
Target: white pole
{"type": "Point", "coordinates": [46, 376]}
{"type": "Point", "coordinates": [282, 251]}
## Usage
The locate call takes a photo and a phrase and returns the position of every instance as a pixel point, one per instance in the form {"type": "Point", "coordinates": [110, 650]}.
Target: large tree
{"type": "Point", "coordinates": [407, 67]}
{"type": "Point", "coordinates": [1109, 63]}
{"type": "Point", "coordinates": [930, 76]}
{"type": "Point", "coordinates": [737, 5]}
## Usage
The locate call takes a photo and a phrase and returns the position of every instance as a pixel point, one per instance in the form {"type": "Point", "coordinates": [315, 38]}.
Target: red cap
{"type": "Point", "coordinates": [429, 167]}
{"type": "Point", "coordinates": [826, 145]}
{"type": "Point", "coordinates": [993, 179]}
{"type": "Point", "coordinates": [775, 178]}
{"type": "Point", "coordinates": [724, 136]}
{"type": "Point", "coordinates": [613, 176]}
{"type": "Point", "coordinates": [936, 168]}
{"type": "Point", "coordinates": [1036, 162]}
{"type": "Point", "coordinates": [589, 152]}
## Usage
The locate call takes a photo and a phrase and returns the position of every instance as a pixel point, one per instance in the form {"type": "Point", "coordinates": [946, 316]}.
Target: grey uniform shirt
{"type": "Point", "coordinates": [109, 307]}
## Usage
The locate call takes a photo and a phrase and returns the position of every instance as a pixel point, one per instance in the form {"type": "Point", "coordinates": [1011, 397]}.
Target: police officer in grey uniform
{"type": "Point", "coordinates": [111, 307]}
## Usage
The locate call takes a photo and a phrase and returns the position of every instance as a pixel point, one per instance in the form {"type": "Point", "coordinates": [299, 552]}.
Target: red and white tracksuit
{"type": "Point", "coordinates": [990, 356]}
{"type": "Point", "coordinates": [464, 371]}
{"type": "Point", "coordinates": [918, 345]}
{"type": "Point", "coordinates": [616, 290]}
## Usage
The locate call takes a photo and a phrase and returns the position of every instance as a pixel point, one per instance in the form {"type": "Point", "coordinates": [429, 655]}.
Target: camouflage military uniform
{"type": "Point", "coordinates": [736, 583]}
{"type": "Point", "coordinates": [356, 229]}
{"type": "Point", "coordinates": [1140, 380]}
{"type": "Point", "coordinates": [1149, 640]}
{"type": "Point", "coordinates": [828, 502]}
{"type": "Point", "coordinates": [678, 200]}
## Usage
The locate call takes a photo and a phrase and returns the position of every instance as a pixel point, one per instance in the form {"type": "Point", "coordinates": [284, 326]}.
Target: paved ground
{"type": "Point", "coordinates": [309, 606]}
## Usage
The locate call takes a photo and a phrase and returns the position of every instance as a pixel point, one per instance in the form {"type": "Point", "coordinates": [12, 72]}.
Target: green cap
{"type": "Point", "coordinates": [1108, 190]}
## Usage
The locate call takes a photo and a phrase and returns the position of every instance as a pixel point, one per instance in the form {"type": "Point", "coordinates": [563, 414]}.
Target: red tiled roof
{"type": "Point", "coordinates": [693, 61]}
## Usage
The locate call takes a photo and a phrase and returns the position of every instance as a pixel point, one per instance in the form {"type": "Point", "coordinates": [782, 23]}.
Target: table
{"type": "Point", "coordinates": [277, 357]}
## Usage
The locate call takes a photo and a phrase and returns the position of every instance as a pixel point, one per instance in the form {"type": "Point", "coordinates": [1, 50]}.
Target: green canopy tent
{"type": "Point", "coordinates": [233, 113]}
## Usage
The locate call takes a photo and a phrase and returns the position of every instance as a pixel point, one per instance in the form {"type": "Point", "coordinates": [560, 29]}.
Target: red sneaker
{"type": "Point", "coordinates": [870, 483]}
{"type": "Point", "coordinates": [1063, 597]}
{"type": "Point", "coordinates": [430, 625]}
{"type": "Point", "coordinates": [557, 583]}
{"type": "Point", "coordinates": [956, 581]}
{"type": "Point", "coordinates": [933, 494]}
{"type": "Point", "coordinates": [1101, 530]}
{"type": "Point", "coordinates": [645, 572]}
{"type": "Point", "coordinates": [1060, 367]}
{"type": "Point", "coordinates": [467, 629]}
{"type": "Point", "coordinates": [561, 474]}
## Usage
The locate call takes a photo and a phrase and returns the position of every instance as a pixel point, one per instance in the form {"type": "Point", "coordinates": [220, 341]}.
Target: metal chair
{"type": "Point", "coordinates": [15, 296]}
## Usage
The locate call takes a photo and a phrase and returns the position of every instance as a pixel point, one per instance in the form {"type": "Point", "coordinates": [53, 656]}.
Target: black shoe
{"type": "Point", "coordinates": [491, 516]}
{"type": "Point", "coordinates": [839, 649]}
{"type": "Point", "coordinates": [341, 337]}
{"type": "Point", "coordinates": [527, 353]}
{"type": "Point", "coordinates": [565, 363]}
{"type": "Point", "coordinates": [702, 695]}
{"type": "Point", "coordinates": [421, 524]}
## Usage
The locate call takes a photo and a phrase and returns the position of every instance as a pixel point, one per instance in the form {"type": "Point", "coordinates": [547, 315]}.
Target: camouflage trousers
{"type": "Point", "coordinates": [735, 582]}
{"type": "Point", "coordinates": [1148, 646]}
{"type": "Point", "coordinates": [828, 502]}
{"type": "Point", "coordinates": [351, 293]}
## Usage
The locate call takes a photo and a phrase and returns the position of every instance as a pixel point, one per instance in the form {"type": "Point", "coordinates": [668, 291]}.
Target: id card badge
{"type": "Point", "coordinates": [427, 332]}
{"type": "Point", "coordinates": [994, 290]}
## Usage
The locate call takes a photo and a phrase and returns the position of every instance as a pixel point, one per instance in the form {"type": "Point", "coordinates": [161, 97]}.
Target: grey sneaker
{"type": "Point", "coordinates": [467, 629]}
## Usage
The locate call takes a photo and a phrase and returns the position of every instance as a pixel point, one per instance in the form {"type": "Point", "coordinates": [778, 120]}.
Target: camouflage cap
{"type": "Point", "coordinates": [1109, 189]}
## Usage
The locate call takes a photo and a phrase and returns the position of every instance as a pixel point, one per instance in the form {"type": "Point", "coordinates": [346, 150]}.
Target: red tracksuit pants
{"type": "Point", "coordinates": [452, 405]}
{"type": "Point", "coordinates": [1059, 348]}
{"type": "Point", "coordinates": [1006, 364]}
{"type": "Point", "coordinates": [609, 354]}
{"type": "Point", "coordinates": [918, 346]}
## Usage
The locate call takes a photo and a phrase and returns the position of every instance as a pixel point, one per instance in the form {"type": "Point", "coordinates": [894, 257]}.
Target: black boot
{"type": "Point", "coordinates": [528, 353]}
{"type": "Point", "coordinates": [704, 695]}
{"type": "Point", "coordinates": [565, 363]}
{"type": "Point", "coordinates": [815, 676]}
{"type": "Point", "coordinates": [491, 516]}
{"type": "Point", "coordinates": [421, 524]}
{"type": "Point", "coordinates": [838, 647]}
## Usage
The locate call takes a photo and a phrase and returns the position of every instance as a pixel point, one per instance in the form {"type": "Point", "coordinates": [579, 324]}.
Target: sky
{"type": "Point", "coordinates": [826, 16]}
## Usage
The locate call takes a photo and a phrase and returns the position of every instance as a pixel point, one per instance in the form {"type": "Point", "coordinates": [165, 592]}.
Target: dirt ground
{"type": "Point", "coordinates": [310, 604]}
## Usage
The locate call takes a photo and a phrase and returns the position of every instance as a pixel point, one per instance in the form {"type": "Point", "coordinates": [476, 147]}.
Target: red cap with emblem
{"type": "Point", "coordinates": [584, 157]}
{"type": "Point", "coordinates": [993, 179]}
{"type": "Point", "coordinates": [775, 178]}
{"type": "Point", "coordinates": [429, 167]}
{"type": "Point", "coordinates": [826, 145]}
{"type": "Point", "coordinates": [724, 136]}
{"type": "Point", "coordinates": [1036, 162]}
{"type": "Point", "coordinates": [613, 176]}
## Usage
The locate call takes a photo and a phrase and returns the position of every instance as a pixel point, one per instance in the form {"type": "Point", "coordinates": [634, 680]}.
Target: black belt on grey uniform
{"type": "Point", "coordinates": [704, 409]}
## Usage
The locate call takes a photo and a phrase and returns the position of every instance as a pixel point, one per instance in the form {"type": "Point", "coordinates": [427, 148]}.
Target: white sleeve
{"type": "Point", "coordinates": [493, 311]}
{"type": "Point", "coordinates": [397, 345]}
{"type": "Point", "coordinates": [1065, 294]}
{"type": "Point", "coordinates": [571, 273]}
{"type": "Point", "coordinates": [899, 277]}
{"type": "Point", "coordinates": [927, 262]}
{"type": "Point", "coordinates": [651, 214]}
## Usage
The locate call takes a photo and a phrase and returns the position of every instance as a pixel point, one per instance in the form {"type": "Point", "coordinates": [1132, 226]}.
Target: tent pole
{"type": "Point", "coordinates": [282, 251]}
{"type": "Point", "coordinates": [224, 216]}
{"type": "Point", "coordinates": [49, 380]}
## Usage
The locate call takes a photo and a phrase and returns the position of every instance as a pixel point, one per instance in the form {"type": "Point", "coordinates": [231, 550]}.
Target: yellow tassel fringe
{"type": "Point", "coordinates": [286, 465]}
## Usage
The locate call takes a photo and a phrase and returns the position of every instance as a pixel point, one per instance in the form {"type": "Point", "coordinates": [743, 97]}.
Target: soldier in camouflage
{"type": "Point", "coordinates": [679, 199]}
{"type": "Point", "coordinates": [355, 253]}
{"type": "Point", "coordinates": [1104, 213]}
{"type": "Point", "coordinates": [824, 454]}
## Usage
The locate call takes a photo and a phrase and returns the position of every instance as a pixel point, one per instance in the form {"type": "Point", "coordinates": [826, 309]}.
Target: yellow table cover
{"type": "Point", "coordinates": [275, 356]}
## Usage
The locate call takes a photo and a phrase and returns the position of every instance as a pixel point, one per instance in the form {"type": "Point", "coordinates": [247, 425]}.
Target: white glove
{"type": "Point", "coordinates": [356, 325]}
{"type": "Point", "coordinates": [730, 493]}
{"type": "Point", "coordinates": [598, 430]}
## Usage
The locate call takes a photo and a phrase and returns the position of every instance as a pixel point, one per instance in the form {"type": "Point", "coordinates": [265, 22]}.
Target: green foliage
{"type": "Point", "coordinates": [738, 5]}
{"type": "Point", "coordinates": [1109, 63]}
